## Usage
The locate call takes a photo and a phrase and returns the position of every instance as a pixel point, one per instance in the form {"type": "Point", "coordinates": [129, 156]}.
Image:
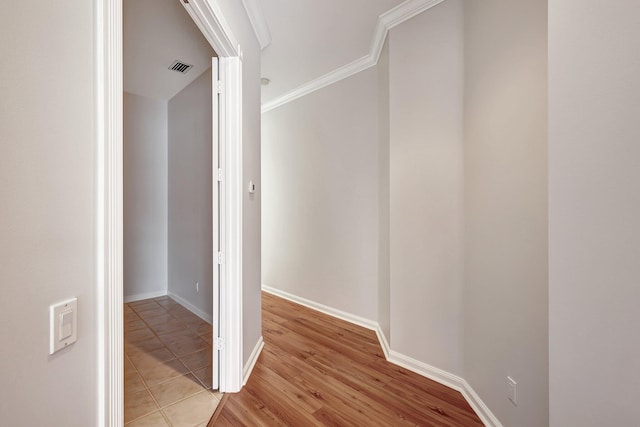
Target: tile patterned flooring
{"type": "Point", "coordinates": [167, 366]}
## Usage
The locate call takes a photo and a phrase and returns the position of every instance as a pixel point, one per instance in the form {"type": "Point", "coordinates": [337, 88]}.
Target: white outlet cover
{"type": "Point", "coordinates": [63, 324]}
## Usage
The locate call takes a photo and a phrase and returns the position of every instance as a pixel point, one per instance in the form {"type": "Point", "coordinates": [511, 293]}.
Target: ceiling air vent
{"type": "Point", "coordinates": [180, 66]}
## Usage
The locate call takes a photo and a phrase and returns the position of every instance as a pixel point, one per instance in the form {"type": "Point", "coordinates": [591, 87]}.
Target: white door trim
{"type": "Point", "coordinates": [109, 206]}
{"type": "Point", "coordinates": [231, 354]}
{"type": "Point", "coordinates": [217, 202]}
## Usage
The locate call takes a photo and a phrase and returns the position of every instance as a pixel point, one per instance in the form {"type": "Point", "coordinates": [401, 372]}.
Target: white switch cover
{"type": "Point", "coordinates": [63, 324]}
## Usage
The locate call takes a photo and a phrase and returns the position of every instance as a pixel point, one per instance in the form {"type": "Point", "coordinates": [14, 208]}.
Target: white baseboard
{"type": "Point", "coordinates": [384, 343]}
{"type": "Point", "coordinates": [253, 358]}
{"type": "Point", "coordinates": [450, 380]}
{"type": "Point", "coordinates": [438, 375]}
{"type": "Point", "coordinates": [140, 297]}
{"type": "Point", "coordinates": [334, 312]}
{"type": "Point", "coordinates": [192, 308]}
{"type": "Point", "coordinates": [482, 410]}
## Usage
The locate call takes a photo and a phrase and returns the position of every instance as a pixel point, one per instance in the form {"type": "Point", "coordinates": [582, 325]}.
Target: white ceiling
{"type": "Point", "coordinates": [157, 32]}
{"type": "Point", "coordinates": [310, 38]}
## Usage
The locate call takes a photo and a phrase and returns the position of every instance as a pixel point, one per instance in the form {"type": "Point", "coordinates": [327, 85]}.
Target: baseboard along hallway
{"type": "Point", "coordinates": [316, 370]}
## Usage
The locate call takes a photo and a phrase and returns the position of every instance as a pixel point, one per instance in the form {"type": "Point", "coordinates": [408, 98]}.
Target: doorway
{"type": "Point", "coordinates": [171, 216]}
{"type": "Point", "coordinates": [212, 24]}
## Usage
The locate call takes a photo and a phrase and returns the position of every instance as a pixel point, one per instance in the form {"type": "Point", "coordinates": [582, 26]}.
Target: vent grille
{"type": "Point", "coordinates": [180, 66]}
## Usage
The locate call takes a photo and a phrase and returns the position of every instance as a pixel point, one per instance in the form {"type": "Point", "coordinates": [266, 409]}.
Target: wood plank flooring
{"type": "Point", "coordinates": [316, 370]}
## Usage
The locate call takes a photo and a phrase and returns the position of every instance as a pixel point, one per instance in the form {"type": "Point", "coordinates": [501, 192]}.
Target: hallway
{"type": "Point", "coordinates": [316, 370]}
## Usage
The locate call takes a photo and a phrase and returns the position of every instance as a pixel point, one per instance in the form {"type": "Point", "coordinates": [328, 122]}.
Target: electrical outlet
{"type": "Point", "coordinates": [511, 390]}
{"type": "Point", "coordinates": [197, 287]}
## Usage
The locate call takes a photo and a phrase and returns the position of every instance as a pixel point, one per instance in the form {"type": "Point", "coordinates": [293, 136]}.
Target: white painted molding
{"type": "Point", "coordinates": [386, 21]}
{"type": "Point", "coordinates": [426, 370]}
{"type": "Point", "coordinates": [438, 375]}
{"type": "Point", "coordinates": [334, 312]}
{"type": "Point", "coordinates": [482, 410]}
{"type": "Point", "coordinates": [328, 79]}
{"type": "Point", "coordinates": [450, 380]}
{"type": "Point", "coordinates": [209, 18]}
{"type": "Point", "coordinates": [192, 308]}
{"type": "Point", "coordinates": [231, 283]}
{"type": "Point", "coordinates": [384, 343]}
{"type": "Point", "coordinates": [109, 228]}
{"type": "Point", "coordinates": [405, 11]}
{"type": "Point", "coordinates": [147, 295]}
{"type": "Point", "coordinates": [258, 22]}
{"type": "Point", "coordinates": [253, 358]}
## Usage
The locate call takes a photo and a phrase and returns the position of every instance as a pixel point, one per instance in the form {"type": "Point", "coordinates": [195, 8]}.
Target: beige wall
{"type": "Point", "coordinates": [384, 258]}
{"type": "Point", "coordinates": [190, 234]}
{"type": "Point", "coordinates": [145, 196]}
{"type": "Point", "coordinates": [47, 211]}
{"type": "Point", "coordinates": [320, 205]}
{"type": "Point", "coordinates": [594, 207]}
{"type": "Point", "coordinates": [505, 308]}
{"type": "Point", "coordinates": [426, 72]}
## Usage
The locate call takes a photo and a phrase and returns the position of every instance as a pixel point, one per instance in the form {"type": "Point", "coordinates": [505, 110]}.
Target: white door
{"type": "Point", "coordinates": [218, 218]}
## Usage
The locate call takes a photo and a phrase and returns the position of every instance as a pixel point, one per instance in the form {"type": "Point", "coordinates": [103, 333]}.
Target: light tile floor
{"type": "Point", "coordinates": [167, 366]}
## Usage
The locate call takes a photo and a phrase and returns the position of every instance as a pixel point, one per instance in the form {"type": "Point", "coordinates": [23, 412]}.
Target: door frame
{"type": "Point", "coordinates": [109, 203]}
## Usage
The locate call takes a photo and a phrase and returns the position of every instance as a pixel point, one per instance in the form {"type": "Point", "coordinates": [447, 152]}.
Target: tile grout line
{"type": "Point", "coordinates": [146, 386]}
{"type": "Point", "coordinates": [189, 370]}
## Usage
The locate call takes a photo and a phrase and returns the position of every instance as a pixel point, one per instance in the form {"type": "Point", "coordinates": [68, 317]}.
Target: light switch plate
{"type": "Point", "coordinates": [63, 324]}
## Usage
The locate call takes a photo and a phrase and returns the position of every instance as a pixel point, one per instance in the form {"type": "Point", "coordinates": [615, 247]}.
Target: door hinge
{"type": "Point", "coordinates": [220, 176]}
{"type": "Point", "coordinates": [220, 258]}
{"type": "Point", "coordinates": [219, 344]}
{"type": "Point", "coordinates": [219, 86]}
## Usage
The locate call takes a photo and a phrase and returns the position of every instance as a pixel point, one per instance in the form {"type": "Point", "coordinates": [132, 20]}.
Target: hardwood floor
{"type": "Point", "coordinates": [316, 370]}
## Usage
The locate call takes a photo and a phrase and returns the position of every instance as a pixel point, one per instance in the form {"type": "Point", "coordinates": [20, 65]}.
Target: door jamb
{"type": "Point", "coordinates": [109, 202]}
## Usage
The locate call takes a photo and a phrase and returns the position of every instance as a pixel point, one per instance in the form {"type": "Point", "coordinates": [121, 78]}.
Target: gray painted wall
{"type": "Point", "coordinates": [47, 211]}
{"type": "Point", "coordinates": [384, 258]}
{"type": "Point", "coordinates": [506, 256]}
{"type": "Point", "coordinates": [145, 196]}
{"type": "Point", "coordinates": [594, 211]}
{"type": "Point", "coordinates": [190, 233]}
{"type": "Point", "coordinates": [426, 177]}
{"type": "Point", "coordinates": [320, 205]}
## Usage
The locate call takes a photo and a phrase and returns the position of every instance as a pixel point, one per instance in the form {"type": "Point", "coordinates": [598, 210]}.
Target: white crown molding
{"type": "Point", "coordinates": [438, 375]}
{"type": "Point", "coordinates": [209, 19]}
{"type": "Point", "coordinates": [404, 11]}
{"type": "Point", "coordinates": [328, 79]}
{"type": "Point", "coordinates": [258, 22]}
